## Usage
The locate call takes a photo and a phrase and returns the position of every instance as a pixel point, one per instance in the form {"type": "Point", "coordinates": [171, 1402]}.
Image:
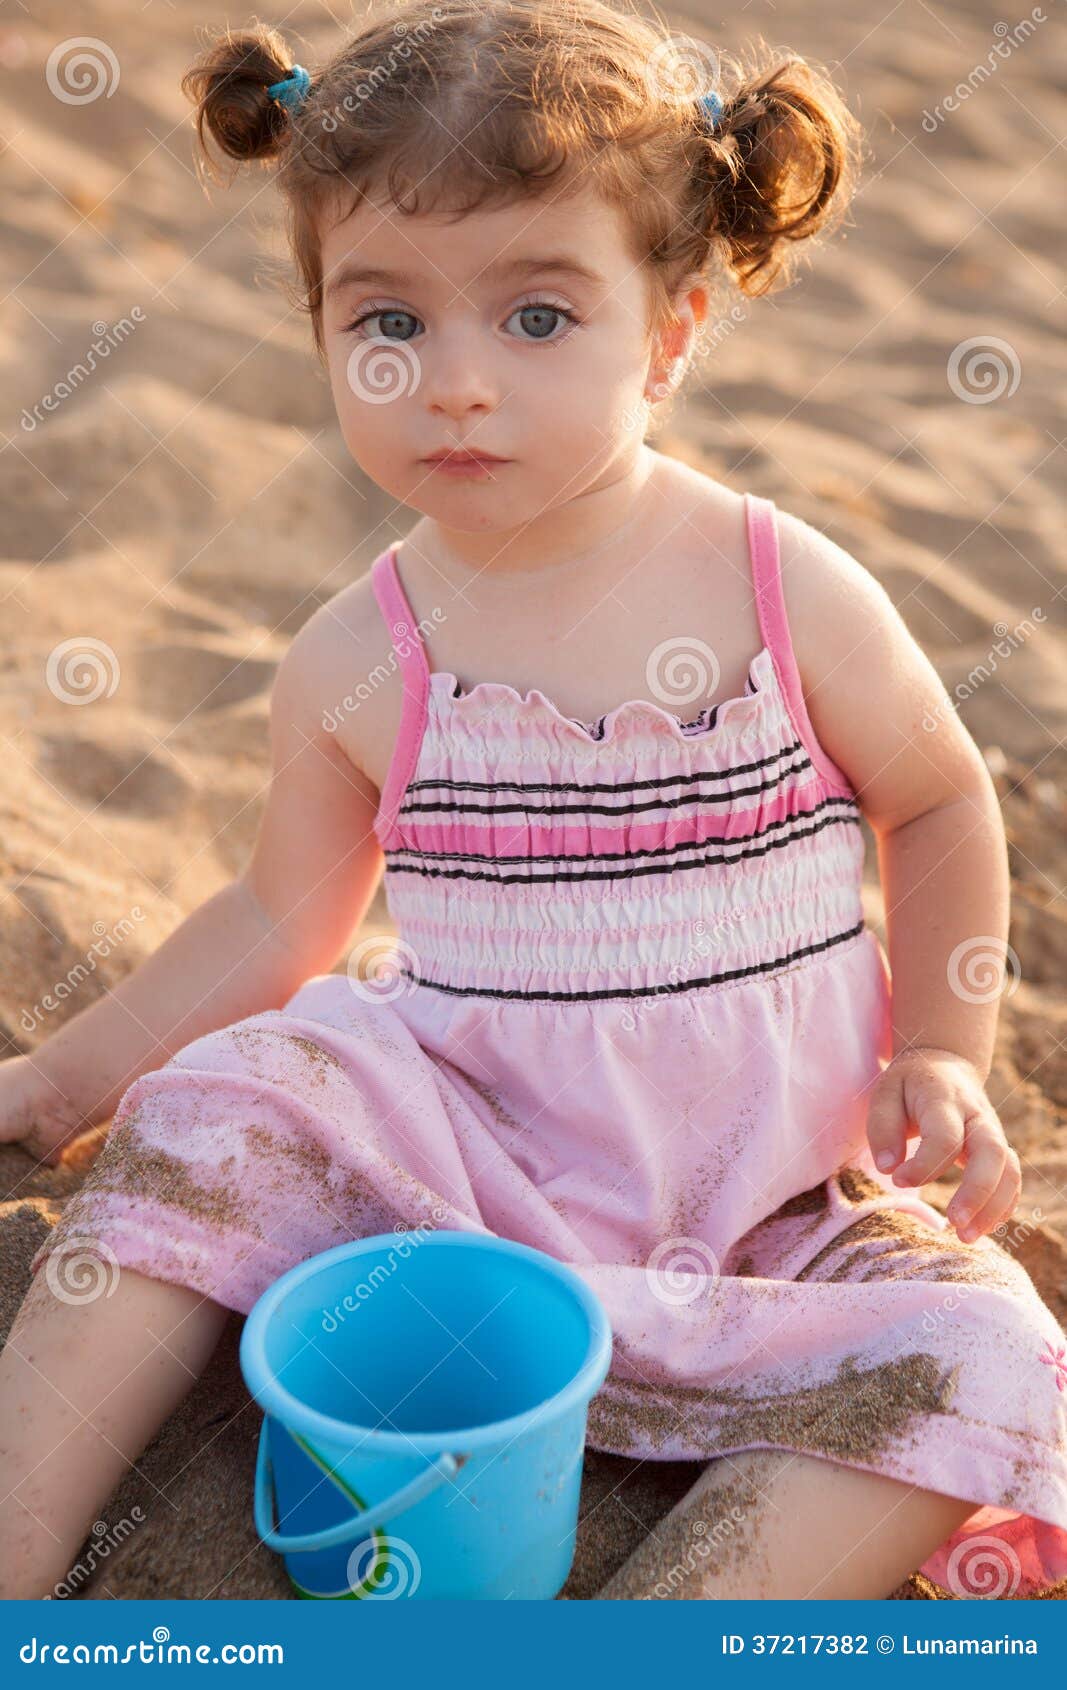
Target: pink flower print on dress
{"type": "Point", "coordinates": [1058, 1360]}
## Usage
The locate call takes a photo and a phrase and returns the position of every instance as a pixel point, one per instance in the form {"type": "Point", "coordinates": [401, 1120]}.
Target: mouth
{"type": "Point", "coordinates": [460, 460]}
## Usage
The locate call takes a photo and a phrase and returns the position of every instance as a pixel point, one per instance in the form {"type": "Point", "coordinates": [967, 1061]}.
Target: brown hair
{"type": "Point", "coordinates": [453, 104]}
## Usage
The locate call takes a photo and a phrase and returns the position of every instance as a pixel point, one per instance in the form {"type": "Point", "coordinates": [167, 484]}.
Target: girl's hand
{"type": "Point", "coordinates": [941, 1096]}
{"type": "Point", "coordinates": [34, 1114]}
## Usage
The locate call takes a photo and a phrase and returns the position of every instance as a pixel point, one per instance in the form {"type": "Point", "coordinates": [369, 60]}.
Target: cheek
{"type": "Point", "coordinates": [369, 384]}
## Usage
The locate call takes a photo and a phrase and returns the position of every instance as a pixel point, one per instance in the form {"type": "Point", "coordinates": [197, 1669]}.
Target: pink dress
{"type": "Point", "coordinates": [633, 1018]}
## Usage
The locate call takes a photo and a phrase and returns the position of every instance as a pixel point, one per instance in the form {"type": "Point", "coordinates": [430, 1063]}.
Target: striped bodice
{"type": "Point", "coordinates": [529, 855]}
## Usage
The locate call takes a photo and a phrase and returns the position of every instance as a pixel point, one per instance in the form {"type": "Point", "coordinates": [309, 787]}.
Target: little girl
{"type": "Point", "coordinates": [610, 727]}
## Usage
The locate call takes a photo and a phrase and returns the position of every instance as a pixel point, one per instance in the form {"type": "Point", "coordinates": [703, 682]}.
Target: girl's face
{"type": "Point", "coordinates": [488, 369]}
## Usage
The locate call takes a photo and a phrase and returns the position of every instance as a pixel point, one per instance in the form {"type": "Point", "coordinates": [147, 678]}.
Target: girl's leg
{"type": "Point", "coordinates": [770, 1523]}
{"type": "Point", "coordinates": [83, 1389]}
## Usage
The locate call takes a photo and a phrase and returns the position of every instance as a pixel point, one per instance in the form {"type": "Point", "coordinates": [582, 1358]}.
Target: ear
{"type": "Point", "coordinates": [674, 345]}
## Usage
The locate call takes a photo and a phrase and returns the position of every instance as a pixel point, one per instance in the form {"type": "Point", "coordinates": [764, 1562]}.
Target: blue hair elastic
{"type": "Point", "coordinates": [712, 107]}
{"type": "Point", "coordinates": [291, 92]}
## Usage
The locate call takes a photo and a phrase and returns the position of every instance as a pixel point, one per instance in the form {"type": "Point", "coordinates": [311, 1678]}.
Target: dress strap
{"type": "Point", "coordinates": [415, 681]}
{"type": "Point", "coordinates": [762, 525]}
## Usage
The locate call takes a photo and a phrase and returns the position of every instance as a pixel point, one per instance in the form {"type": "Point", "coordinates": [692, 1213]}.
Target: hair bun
{"type": "Point", "coordinates": [229, 85]}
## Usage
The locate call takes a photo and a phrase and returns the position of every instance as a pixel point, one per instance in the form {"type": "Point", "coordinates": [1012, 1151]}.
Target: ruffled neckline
{"type": "Point", "coordinates": [710, 720]}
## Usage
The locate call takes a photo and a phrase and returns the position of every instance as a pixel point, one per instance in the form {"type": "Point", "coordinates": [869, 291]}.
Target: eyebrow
{"type": "Point", "coordinates": [361, 275]}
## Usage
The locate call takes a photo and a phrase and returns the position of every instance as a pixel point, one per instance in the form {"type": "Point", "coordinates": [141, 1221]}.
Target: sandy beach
{"type": "Point", "coordinates": [175, 514]}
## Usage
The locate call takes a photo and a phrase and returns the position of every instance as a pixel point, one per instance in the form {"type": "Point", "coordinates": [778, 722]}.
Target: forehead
{"type": "Point", "coordinates": [578, 233]}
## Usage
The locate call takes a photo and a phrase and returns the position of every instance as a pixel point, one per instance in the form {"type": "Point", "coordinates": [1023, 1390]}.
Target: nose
{"type": "Point", "coordinates": [458, 379]}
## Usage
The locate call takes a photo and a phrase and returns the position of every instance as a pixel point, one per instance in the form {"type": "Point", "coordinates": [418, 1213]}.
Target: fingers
{"type": "Point", "coordinates": [887, 1120]}
{"type": "Point", "coordinates": [996, 1206]}
{"type": "Point", "coordinates": [987, 1155]}
{"type": "Point", "coordinates": [941, 1138]}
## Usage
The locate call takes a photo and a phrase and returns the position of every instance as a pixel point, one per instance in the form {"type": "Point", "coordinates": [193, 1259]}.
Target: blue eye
{"type": "Point", "coordinates": [394, 324]}
{"type": "Point", "coordinates": [540, 321]}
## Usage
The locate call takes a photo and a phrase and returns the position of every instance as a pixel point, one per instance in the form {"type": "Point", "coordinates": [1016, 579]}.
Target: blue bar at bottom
{"type": "Point", "coordinates": [466, 1643]}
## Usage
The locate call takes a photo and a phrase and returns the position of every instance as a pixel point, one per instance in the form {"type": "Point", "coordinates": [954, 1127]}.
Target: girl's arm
{"type": "Point", "coordinates": [880, 711]}
{"type": "Point", "coordinates": [313, 872]}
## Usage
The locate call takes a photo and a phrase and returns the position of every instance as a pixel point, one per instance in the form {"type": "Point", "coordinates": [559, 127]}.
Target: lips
{"type": "Point", "coordinates": [463, 455]}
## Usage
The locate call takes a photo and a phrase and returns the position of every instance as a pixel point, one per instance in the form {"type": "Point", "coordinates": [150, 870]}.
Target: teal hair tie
{"type": "Point", "coordinates": [712, 107]}
{"type": "Point", "coordinates": [291, 92]}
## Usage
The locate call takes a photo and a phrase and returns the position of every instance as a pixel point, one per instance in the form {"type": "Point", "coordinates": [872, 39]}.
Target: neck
{"type": "Point", "coordinates": [569, 533]}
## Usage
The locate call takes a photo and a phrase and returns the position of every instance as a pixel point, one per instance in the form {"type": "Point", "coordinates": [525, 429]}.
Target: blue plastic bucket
{"type": "Point", "coordinates": [425, 1398]}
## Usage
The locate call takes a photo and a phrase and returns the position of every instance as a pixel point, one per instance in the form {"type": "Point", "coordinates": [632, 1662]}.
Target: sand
{"type": "Point", "coordinates": [190, 503]}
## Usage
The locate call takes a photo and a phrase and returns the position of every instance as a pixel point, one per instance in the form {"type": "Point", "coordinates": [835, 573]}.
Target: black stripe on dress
{"type": "Point", "coordinates": [542, 811]}
{"type": "Point", "coordinates": [643, 991]}
{"type": "Point", "coordinates": [606, 785]}
{"type": "Point", "coordinates": [393, 866]}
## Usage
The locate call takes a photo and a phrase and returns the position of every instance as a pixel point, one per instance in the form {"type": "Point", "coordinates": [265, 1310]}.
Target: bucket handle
{"type": "Point", "coordinates": [444, 1467]}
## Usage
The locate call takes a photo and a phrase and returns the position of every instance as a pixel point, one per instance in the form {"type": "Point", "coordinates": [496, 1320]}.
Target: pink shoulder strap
{"type": "Point", "coordinates": [774, 625]}
{"type": "Point", "coordinates": [415, 681]}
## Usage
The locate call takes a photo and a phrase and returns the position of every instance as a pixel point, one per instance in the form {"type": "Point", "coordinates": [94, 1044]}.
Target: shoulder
{"type": "Point", "coordinates": [822, 583]}
{"type": "Point", "coordinates": [336, 683]}
{"type": "Point", "coordinates": [870, 691]}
